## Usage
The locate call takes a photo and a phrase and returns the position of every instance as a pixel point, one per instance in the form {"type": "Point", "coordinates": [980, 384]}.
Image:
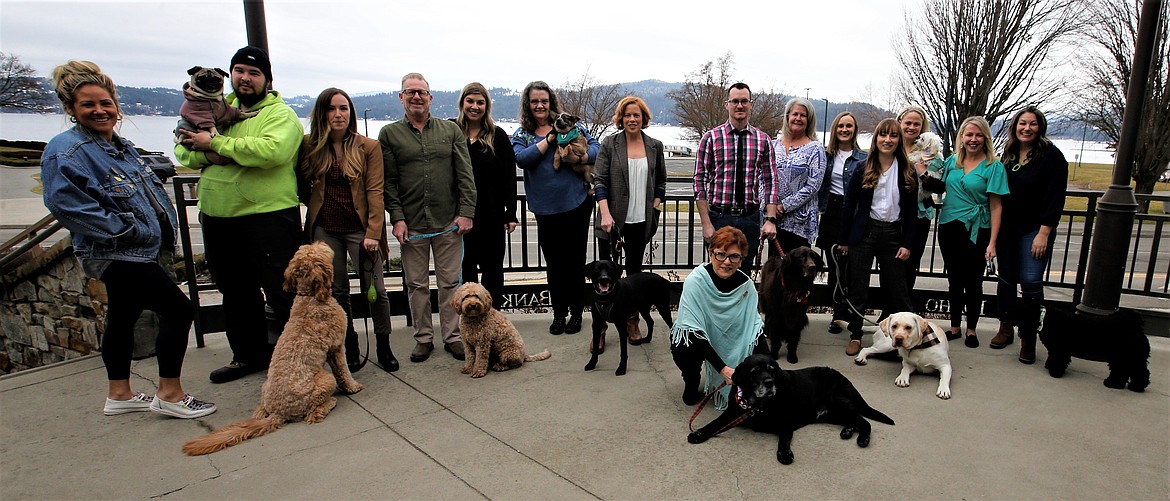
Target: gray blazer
{"type": "Point", "coordinates": [611, 179]}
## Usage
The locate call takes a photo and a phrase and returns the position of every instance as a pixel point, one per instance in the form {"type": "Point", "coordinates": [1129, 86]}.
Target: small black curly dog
{"type": "Point", "coordinates": [1118, 339]}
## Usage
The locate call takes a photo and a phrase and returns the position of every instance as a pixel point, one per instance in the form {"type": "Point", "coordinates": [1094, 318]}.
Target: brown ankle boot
{"type": "Point", "coordinates": [632, 329]}
{"type": "Point", "coordinates": [1027, 348]}
{"type": "Point", "coordinates": [1005, 336]}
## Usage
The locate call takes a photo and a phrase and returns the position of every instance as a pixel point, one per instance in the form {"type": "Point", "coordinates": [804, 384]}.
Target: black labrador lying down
{"type": "Point", "coordinates": [779, 401]}
{"type": "Point", "coordinates": [616, 300]}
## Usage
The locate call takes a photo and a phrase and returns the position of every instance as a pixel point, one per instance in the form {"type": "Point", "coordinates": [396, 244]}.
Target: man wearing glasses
{"type": "Point", "coordinates": [734, 175]}
{"type": "Point", "coordinates": [430, 195]}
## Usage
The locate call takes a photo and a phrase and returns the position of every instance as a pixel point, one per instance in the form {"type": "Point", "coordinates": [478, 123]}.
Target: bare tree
{"type": "Point", "coordinates": [592, 101]}
{"type": "Point", "coordinates": [1107, 71]}
{"type": "Point", "coordinates": [963, 58]}
{"type": "Point", "coordinates": [19, 86]}
{"type": "Point", "coordinates": [698, 104]}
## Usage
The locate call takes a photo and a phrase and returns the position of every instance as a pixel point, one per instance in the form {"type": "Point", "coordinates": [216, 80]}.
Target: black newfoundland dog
{"type": "Point", "coordinates": [1118, 339]}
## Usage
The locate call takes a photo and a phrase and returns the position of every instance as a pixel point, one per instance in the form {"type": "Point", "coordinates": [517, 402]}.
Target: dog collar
{"type": "Point", "coordinates": [564, 139]}
{"type": "Point", "coordinates": [928, 339]}
{"type": "Point", "coordinates": [802, 299]}
{"type": "Point", "coordinates": [739, 400]}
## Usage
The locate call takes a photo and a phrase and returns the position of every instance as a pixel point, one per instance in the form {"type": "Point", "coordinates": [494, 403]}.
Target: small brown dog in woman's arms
{"type": "Point", "coordinates": [570, 141]}
{"type": "Point", "coordinates": [298, 387]}
{"type": "Point", "coordinates": [204, 107]}
{"type": "Point", "coordinates": [489, 337]}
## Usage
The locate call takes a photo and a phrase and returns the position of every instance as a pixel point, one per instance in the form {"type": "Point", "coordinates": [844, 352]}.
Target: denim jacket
{"type": "Point", "coordinates": [106, 196]}
{"type": "Point", "coordinates": [852, 164]}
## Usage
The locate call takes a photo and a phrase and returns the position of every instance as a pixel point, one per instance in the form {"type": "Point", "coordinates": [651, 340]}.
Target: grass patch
{"type": "Point", "coordinates": [19, 157]}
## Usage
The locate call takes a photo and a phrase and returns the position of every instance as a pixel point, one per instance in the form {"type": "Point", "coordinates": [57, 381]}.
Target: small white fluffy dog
{"type": "Point", "coordinates": [922, 344]}
{"type": "Point", "coordinates": [928, 146]}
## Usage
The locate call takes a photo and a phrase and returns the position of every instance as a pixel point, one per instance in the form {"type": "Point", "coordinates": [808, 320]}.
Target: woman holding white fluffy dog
{"type": "Point", "coordinates": [914, 125]}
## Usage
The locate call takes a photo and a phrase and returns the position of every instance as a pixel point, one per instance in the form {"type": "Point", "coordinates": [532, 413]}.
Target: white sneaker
{"type": "Point", "coordinates": [138, 403]}
{"type": "Point", "coordinates": [187, 408]}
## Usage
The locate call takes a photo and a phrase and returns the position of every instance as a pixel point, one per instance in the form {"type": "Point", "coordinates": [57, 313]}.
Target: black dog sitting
{"type": "Point", "coordinates": [616, 299]}
{"type": "Point", "coordinates": [785, 286]}
{"type": "Point", "coordinates": [780, 402]}
{"type": "Point", "coordinates": [1118, 339]}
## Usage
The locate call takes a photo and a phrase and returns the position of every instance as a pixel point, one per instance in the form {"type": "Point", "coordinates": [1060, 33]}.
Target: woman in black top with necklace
{"type": "Point", "coordinates": [1037, 175]}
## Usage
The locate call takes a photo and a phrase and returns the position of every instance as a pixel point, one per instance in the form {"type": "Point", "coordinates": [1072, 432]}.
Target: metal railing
{"type": "Point", "coordinates": [678, 246]}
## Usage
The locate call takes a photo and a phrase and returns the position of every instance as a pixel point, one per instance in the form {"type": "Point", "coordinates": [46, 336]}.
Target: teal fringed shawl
{"type": "Point", "coordinates": [729, 321]}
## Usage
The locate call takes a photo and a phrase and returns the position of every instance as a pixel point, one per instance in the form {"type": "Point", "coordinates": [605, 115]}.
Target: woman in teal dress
{"type": "Point", "coordinates": [968, 224]}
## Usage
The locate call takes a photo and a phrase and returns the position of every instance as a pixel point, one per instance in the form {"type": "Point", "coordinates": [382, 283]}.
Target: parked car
{"type": "Point", "coordinates": [158, 162]}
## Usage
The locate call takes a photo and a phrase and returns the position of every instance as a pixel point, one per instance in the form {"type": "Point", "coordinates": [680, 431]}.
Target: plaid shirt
{"type": "Point", "coordinates": [715, 167]}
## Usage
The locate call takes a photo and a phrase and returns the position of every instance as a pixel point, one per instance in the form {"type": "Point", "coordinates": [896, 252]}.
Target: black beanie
{"type": "Point", "coordinates": [253, 56]}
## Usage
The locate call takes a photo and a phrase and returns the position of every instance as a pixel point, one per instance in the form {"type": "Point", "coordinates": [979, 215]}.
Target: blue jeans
{"type": "Point", "coordinates": [749, 224]}
{"type": "Point", "coordinates": [1018, 267]}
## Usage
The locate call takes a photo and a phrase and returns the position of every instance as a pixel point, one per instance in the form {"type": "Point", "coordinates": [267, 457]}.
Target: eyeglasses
{"type": "Point", "coordinates": [723, 256]}
{"type": "Point", "coordinates": [738, 102]}
{"type": "Point", "coordinates": [415, 92]}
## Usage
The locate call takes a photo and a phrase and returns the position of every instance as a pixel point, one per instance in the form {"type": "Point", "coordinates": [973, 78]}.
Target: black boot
{"type": "Point", "coordinates": [385, 356]}
{"type": "Point", "coordinates": [353, 354]}
{"type": "Point", "coordinates": [691, 394]}
{"type": "Point", "coordinates": [1028, 316]}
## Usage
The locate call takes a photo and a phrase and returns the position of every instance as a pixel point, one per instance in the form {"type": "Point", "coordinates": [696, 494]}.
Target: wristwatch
{"type": "Point", "coordinates": [772, 219]}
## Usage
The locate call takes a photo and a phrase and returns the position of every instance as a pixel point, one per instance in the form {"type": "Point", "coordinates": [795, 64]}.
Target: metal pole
{"type": "Point", "coordinates": [1080, 158]}
{"type": "Point", "coordinates": [825, 124]}
{"type": "Point", "coordinates": [254, 21]}
{"type": "Point", "coordinates": [366, 119]}
{"type": "Point", "coordinates": [1117, 207]}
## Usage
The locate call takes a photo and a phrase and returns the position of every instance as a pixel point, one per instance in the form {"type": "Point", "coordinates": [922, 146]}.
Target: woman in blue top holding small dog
{"type": "Point", "coordinates": [969, 222]}
{"type": "Point", "coordinates": [559, 199]}
{"type": "Point", "coordinates": [120, 218]}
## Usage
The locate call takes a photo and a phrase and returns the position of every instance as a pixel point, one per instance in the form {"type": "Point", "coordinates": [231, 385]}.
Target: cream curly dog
{"type": "Point", "coordinates": [488, 336]}
{"type": "Point", "coordinates": [298, 386]}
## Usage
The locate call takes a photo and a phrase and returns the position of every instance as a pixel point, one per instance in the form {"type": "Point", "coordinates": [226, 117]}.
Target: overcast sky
{"type": "Point", "coordinates": [834, 47]}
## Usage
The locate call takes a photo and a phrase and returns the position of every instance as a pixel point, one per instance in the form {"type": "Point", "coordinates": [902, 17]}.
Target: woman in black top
{"type": "Point", "coordinates": [878, 221]}
{"type": "Point", "coordinates": [1037, 176]}
{"type": "Point", "coordinates": [494, 164]}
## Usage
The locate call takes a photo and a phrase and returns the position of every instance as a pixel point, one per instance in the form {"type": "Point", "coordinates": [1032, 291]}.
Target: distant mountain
{"type": "Point", "coordinates": [506, 105]}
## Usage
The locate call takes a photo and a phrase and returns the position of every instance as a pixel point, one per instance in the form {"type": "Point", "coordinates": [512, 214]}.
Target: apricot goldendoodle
{"type": "Point", "coordinates": [487, 334]}
{"type": "Point", "coordinates": [298, 386]}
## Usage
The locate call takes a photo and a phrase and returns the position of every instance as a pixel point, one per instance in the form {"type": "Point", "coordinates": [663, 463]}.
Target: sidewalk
{"type": "Point", "coordinates": [551, 431]}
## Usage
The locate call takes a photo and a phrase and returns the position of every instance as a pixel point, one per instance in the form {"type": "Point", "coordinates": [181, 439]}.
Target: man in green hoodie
{"type": "Point", "coordinates": [249, 212]}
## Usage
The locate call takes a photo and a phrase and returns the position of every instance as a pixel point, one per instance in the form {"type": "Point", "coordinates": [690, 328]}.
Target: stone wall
{"type": "Point", "coordinates": [49, 310]}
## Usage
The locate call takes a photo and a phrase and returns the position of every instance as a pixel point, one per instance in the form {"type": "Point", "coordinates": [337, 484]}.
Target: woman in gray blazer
{"type": "Point", "coordinates": [629, 184]}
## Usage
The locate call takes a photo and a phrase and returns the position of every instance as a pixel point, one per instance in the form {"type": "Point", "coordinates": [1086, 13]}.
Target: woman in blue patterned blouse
{"type": "Point", "coordinates": [800, 167]}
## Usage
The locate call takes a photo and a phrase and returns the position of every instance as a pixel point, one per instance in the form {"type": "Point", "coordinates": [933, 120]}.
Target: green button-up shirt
{"type": "Point", "coordinates": [429, 180]}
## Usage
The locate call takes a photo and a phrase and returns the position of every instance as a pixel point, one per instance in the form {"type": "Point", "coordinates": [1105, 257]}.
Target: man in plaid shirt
{"type": "Point", "coordinates": [735, 175]}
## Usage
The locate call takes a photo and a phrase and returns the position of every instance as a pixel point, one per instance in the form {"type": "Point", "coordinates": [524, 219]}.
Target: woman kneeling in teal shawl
{"type": "Point", "coordinates": [718, 319]}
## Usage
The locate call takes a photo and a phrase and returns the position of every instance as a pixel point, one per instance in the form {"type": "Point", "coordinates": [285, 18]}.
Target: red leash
{"type": "Point", "coordinates": [738, 421]}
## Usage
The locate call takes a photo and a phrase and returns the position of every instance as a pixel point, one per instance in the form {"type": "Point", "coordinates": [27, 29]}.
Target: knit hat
{"type": "Point", "coordinates": [253, 56]}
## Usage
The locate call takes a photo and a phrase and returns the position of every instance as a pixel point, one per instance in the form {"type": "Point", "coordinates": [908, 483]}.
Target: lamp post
{"type": "Point", "coordinates": [806, 89]}
{"type": "Point", "coordinates": [825, 123]}
{"type": "Point", "coordinates": [366, 121]}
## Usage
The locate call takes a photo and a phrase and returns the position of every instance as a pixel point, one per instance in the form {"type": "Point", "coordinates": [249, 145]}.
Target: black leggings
{"type": "Point", "coordinates": [633, 247]}
{"type": "Point", "coordinates": [965, 267]}
{"type": "Point", "coordinates": [564, 239]}
{"type": "Point", "coordinates": [130, 288]}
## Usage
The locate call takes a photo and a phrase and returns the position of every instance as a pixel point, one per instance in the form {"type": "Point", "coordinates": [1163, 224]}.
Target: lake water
{"type": "Point", "coordinates": [155, 133]}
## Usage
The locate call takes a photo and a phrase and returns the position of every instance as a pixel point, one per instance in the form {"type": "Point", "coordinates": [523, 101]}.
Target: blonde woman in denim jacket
{"type": "Point", "coordinates": [119, 217]}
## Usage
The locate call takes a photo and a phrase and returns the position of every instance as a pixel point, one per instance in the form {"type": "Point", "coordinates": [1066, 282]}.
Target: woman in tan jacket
{"type": "Point", "coordinates": [340, 179]}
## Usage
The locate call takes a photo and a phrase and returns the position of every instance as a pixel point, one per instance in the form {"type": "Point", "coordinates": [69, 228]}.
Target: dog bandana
{"type": "Point", "coordinates": [929, 338]}
{"type": "Point", "coordinates": [565, 139]}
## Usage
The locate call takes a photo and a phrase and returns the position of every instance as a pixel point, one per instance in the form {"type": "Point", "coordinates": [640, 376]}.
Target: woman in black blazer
{"type": "Point", "coordinates": [629, 185]}
{"type": "Point", "coordinates": [881, 204]}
